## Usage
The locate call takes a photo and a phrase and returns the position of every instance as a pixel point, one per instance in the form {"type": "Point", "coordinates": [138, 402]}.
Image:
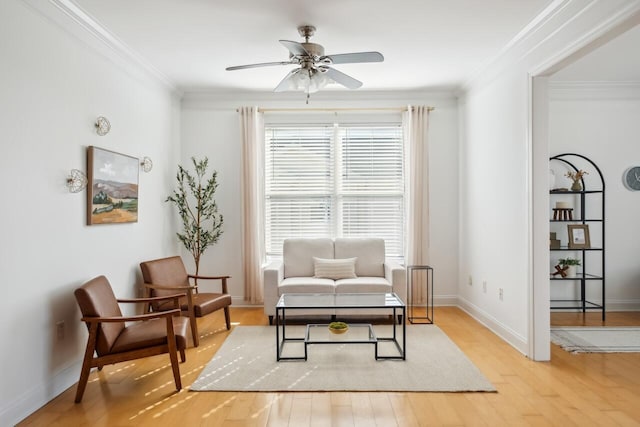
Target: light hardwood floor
{"type": "Point", "coordinates": [572, 389]}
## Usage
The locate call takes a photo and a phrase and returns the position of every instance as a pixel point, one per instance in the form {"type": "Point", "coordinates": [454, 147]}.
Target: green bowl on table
{"type": "Point", "coordinates": [338, 327]}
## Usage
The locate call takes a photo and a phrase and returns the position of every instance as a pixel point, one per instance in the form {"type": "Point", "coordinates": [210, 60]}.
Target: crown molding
{"type": "Point", "coordinates": [77, 22]}
{"type": "Point", "coordinates": [527, 34]}
{"type": "Point", "coordinates": [594, 90]}
{"type": "Point", "coordinates": [563, 29]}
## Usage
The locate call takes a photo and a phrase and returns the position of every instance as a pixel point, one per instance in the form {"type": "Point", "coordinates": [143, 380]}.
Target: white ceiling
{"type": "Point", "coordinates": [427, 44]}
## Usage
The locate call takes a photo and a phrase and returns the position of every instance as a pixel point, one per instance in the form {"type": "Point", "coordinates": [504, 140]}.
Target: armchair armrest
{"type": "Point", "coordinates": [397, 276]}
{"type": "Point", "coordinates": [170, 288]}
{"type": "Point", "coordinates": [222, 278]}
{"type": "Point", "coordinates": [273, 274]}
{"type": "Point", "coordinates": [151, 299]}
{"type": "Point", "coordinates": [135, 318]}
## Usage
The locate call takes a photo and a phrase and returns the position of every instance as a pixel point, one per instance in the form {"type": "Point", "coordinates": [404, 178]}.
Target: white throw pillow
{"type": "Point", "coordinates": [335, 268]}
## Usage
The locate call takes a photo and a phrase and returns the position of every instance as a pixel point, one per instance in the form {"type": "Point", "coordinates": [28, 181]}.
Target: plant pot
{"type": "Point", "coordinates": [576, 186]}
{"type": "Point", "coordinates": [571, 271]}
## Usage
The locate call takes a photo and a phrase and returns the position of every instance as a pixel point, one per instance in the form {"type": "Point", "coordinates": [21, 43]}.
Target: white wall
{"type": "Point", "coordinates": [500, 167]}
{"type": "Point", "coordinates": [210, 127]}
{"type": "Point", "coordinates": [605, 128]}
{"type": "Point", "coordinates": [52, 88]}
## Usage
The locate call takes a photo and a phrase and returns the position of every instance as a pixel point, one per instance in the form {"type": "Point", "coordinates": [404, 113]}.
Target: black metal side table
{"type": "Point", "coordinates": [420, 299]}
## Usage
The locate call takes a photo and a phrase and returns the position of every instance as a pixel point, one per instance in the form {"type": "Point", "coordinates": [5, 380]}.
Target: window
{"type": "Point", "coordinates": [334, 181]}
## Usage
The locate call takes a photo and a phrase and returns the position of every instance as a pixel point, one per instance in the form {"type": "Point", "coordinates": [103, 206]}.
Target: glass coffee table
{"type": "Point", "coordinates": [358, 333]}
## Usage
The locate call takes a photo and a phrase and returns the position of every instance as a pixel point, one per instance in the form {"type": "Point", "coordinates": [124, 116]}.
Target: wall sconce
{"type": "Point", "coordinates": [146, 164]}
{"type": "Point", "coordinates": [102, 126]}
{"type": "Point", "coordinates": [76, 181]}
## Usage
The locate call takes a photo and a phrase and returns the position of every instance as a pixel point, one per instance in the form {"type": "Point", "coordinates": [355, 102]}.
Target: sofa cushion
{"type": "Point", "coordinates": [363, 284]}
{"type": "Point", "coordinates": [306, 285]}
{"type": "Point", "coordinates": [369, 251]}
{"type": "Point", "coordinates": [335, 268]}
{"type": "Point", "coordinates": [297, 255]}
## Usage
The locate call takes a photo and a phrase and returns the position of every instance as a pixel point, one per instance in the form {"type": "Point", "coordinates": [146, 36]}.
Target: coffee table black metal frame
{"type": "Point", "coordinates": [293, 302]}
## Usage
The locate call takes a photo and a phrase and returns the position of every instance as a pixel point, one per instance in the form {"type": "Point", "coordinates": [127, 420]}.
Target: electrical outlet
{"type": "Point", "coordinates": [470, 280]}
{"type": "Point", "coordinates": [500, 294]}
{"type": "Point", "coordinates": [60, 330]}
{"type": "Point", "coordinates": [484, 286]}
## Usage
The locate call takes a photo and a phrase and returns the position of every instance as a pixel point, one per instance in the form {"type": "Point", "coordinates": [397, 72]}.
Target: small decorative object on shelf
{"type": "Point", "coordinates": [579, 236]}
{"type": "Point", "coordinates": [338, 327]}
{"type": "Point", "coordinates": [566, 267]}
{"type": "Point", "coordinates": [576, 177]}
{"type": "Point", "coordinates": [554, 243]}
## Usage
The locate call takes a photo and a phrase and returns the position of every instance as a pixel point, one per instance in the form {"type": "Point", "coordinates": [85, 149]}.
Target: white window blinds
{"type": "Point", "coordinates": [334, 181]}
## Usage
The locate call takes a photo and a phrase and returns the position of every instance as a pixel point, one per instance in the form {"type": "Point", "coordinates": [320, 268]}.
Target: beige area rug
{"type": "Point", "coordinates": [247, 362]}
{"type": "Point", "coordinates": [597, 339]}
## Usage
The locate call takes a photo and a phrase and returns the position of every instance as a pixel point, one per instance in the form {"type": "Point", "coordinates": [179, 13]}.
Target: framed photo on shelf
{"type": "Point", "coordinates": [579, 236]}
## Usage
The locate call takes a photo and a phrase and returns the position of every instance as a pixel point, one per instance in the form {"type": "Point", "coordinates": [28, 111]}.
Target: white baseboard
{"type": "Point", "coordinates": [507, 334]}
{"type": "Point", "coordinates": [612, 305]}
{"type": "Point", "coordinates": [622, 305]}
{"type": "Point", "coordinates": [445, 300]}
{"type": "Point", "coordinates": [241, 302]}
{"type": "Point", "coordinates": [22, 406]}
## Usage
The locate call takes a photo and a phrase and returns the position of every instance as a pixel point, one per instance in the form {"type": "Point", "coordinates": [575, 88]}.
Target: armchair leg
{"type": "Point", "coordinates": [227, 317]}
{"type": "Point", "coordinates": [86, 363]}
{"type": "Point", "coordinates": [82, 382]}
{"type": "Point", "coordinates": [194, 329]}
{"type": "Point", "coordinates": [270, 320]}
{"type": "Point", "coordinates": [173, 354]}
{"type": "Point", "coordinates": [183, 356]}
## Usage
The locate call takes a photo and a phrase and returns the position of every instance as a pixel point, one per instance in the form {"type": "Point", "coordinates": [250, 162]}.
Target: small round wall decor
{"type": "Point", "coordinates": [631, 178]}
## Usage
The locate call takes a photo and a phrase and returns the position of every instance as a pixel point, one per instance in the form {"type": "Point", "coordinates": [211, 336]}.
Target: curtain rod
{"type": "Point", "coordinates": [267, 110]}
{"type": "Point", "coordinates": [272, 110]}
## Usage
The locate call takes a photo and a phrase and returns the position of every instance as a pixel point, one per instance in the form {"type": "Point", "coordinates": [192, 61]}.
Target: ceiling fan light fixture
{"type": "Point", "coordinates": [308, 81]}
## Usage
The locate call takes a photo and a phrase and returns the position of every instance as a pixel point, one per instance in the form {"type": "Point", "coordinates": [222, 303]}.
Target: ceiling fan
{"type": "Point", "coordinates": [314, 71]}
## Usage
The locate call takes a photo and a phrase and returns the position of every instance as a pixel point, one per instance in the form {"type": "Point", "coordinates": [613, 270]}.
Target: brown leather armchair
{"type": "Point", "coordinates": [168, 275]}
{"type": "Point", "coordinates": [113, 341]}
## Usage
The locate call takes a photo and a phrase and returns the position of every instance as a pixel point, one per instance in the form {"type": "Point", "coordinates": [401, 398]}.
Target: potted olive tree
{"type": "Point", "coordinates": [201, 222]}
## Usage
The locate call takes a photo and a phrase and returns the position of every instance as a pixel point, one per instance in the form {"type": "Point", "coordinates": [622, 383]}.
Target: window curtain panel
{"type": "Point", "coordinates": [253, 250]}
{"type": "Point", "coordinates": [416, 125]}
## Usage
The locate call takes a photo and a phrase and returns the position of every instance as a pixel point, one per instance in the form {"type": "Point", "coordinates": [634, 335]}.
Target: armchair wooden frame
{"type": "Point", "coordinates": [190, 291]}
{"type": "Point", "coordinates": [93, 324]}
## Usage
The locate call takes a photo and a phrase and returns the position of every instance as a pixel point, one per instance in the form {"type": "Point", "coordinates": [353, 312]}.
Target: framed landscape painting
{"type": "Point", "coordinates": [112, 192]}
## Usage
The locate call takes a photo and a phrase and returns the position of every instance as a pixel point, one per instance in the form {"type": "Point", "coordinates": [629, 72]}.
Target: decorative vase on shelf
{"type": "Point", "coordinates": [576, 186]}
{"type": "Point", "coordinates": [571, 270]}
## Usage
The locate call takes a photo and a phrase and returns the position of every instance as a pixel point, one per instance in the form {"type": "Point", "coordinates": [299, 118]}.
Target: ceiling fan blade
{"type": "Point", "coordinates": [295, 48]}
{"type": "Point", "coordinates": [355, 57]}
{"type": "Point", "coordinates": [340, 77]}
{"type": "Point", "coordinates": [263, 64]}
{"type": "Point", "coordinates": [285, 84]}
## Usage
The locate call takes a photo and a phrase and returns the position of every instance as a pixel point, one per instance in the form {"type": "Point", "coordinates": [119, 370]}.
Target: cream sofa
{"type": "Point", "coordinates": [295, 272]}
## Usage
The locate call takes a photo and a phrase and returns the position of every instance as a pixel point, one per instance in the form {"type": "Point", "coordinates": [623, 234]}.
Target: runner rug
{"type": "Point", "coordinates": [597, 339]}
{"type": "Point", "coordinates": [247, 362]}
